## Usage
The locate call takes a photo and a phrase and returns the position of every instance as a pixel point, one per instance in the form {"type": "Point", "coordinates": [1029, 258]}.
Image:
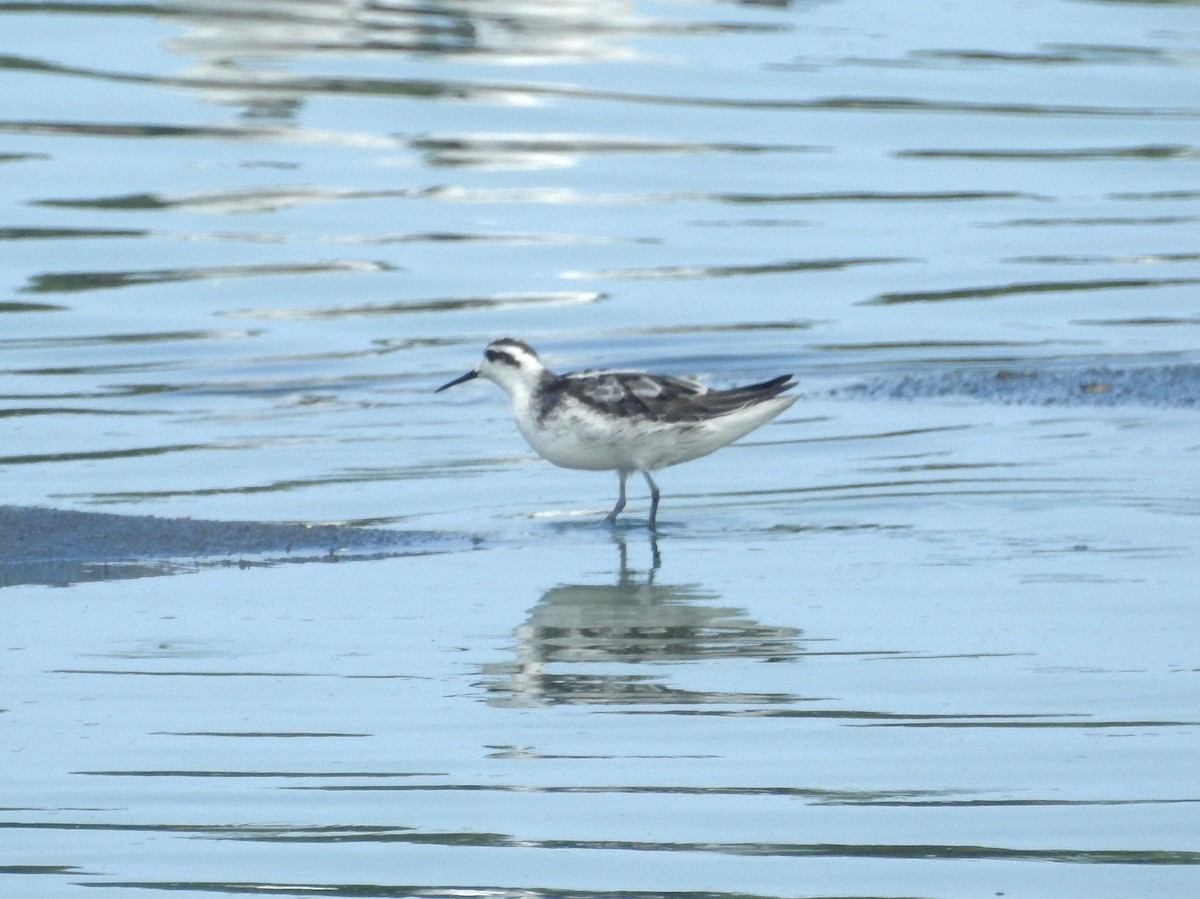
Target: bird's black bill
{"type": "Point", "coordinates": [467, 377]}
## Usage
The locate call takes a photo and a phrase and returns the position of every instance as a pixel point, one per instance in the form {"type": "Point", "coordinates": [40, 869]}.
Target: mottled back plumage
{"type": "Point", "coordinates": [637, 394]}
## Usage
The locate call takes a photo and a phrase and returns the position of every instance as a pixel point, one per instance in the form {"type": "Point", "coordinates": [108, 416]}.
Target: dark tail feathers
{"type": "Point", "coordinates": [773, 387]}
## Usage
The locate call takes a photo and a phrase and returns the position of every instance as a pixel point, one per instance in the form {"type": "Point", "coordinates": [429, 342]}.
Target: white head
{"type": "Point", "coordinates": [508, 362]}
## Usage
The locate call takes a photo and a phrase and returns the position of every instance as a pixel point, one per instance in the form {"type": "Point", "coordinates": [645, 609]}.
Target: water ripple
{"type": "Point", "coordinates": [1148, 151]}
{"type": "Point", "coordinates": [1030, 287]}
{"type": "Point", "coordinates": [727, 271]}
{"type": "Point", "coordinates": [442, 304]}
{"type": "Point", "coordinates": [72, 282]}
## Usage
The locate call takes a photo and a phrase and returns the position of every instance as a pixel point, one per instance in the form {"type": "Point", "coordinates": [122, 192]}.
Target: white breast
{"type": "Point", "coordinates": [576, 436]}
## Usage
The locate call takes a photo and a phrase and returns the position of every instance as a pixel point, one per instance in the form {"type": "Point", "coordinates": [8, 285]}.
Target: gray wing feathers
{"type": "Point", "coordinates": [663, 398]}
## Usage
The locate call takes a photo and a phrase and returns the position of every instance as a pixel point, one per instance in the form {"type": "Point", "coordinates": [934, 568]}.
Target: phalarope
{"type": "Point", "coordinates": [622, 420]}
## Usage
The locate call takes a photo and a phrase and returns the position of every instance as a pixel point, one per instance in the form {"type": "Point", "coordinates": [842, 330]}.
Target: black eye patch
{"type": "Point", "coordinates": [500, 356]}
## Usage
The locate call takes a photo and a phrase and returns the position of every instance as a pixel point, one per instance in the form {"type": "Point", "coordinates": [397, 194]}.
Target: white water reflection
{"type": "Point", "coordinates": [237, 46]}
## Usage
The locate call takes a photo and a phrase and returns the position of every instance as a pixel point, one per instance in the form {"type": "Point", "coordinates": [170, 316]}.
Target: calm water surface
{"type": "Point", "coordinates": [940, 646]}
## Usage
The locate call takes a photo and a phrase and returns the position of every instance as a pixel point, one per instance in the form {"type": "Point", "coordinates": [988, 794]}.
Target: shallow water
{"type": "Point", "coordinates": [926, 634]}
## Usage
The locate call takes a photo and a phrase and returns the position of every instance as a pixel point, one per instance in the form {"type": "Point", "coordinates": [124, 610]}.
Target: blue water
{"type": "Point", "coordinates": [930, 633]}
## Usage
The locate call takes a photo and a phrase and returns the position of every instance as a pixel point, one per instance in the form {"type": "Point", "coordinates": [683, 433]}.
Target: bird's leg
{"type": "Point", "coordinates": [612, 516]}
{"type": "Point", "coordinates": [653, 500]}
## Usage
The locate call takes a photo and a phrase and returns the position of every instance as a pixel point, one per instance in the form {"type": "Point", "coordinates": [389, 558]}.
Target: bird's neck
{"type": "Point", "coordinates": [524, 389]}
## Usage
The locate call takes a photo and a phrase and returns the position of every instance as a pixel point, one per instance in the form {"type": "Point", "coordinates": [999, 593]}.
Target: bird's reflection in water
{"type": "Point", "coordinates": [632, 622]}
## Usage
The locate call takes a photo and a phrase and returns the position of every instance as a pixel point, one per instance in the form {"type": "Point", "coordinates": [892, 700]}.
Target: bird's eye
{"type": "Point", "coordinates": [491, 355]}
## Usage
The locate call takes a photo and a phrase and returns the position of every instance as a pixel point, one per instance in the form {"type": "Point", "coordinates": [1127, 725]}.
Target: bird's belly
{"type": "Point", "coordinates": [585, 442]}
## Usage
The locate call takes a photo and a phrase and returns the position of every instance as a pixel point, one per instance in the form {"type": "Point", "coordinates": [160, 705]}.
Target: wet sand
{"type": "Point", "coordinates": [1164, 386]}
{"type": "Point", "coordinates": [64, 546]}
